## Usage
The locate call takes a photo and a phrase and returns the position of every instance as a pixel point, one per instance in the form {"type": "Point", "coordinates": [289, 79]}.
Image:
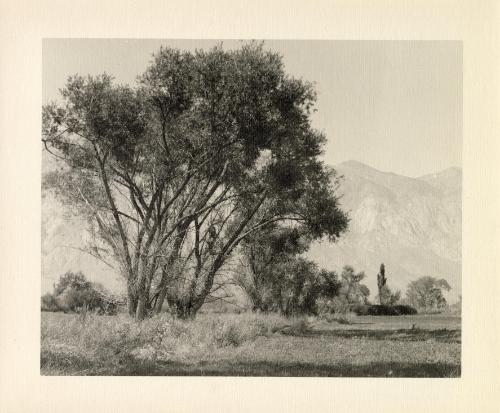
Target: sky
{"type": "Point", "coordinates": [394, 105]}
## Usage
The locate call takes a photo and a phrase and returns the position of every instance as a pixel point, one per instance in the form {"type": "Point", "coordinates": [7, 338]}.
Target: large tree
{"type": "Point", "coordinates": [174, 173]}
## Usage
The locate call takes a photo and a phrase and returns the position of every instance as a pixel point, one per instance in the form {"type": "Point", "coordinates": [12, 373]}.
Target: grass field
{"type": "Point", "coordinates": [252, 345]}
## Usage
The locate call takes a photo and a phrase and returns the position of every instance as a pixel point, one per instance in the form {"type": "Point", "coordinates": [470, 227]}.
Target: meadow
{"type": "Point", "coordinates": [250, 344]}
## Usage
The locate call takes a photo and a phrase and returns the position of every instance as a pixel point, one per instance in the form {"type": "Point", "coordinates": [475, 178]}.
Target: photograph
{"type": "Point", "coordinates": [239, 207]}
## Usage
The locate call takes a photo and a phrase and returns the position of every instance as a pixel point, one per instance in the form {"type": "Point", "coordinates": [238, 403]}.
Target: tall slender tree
{"type": "Point", "coordinates": [381, 281]}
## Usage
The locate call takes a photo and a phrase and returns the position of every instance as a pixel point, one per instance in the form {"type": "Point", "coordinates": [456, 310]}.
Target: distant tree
{"type": "Point", "coordinates": [385, 295]}
{"type": "Point", "coordinates": [352, 289]}
{"type": "Point", "coordinates": [49, 303]}
{"type": "Point", "coordinates": [350, 294]}
{"type": "Point", "coordinates": [426, 294]}
{"type": "Point", "coordinates": [71, 280]}
{"type": "Point", "coordinates": [74, 292]}
{"type": "Point", "coordinates": [381, 281]}
{"type": "Point", "coordinates": [388, 297]}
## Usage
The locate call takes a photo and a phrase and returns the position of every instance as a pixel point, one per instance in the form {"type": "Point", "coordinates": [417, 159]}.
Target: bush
{"type": "Point", "coordinates": [406, 309]}
{"type": "Point", "coordinates": [74, 299]}
{"type": "Point", "coordinates": [336, 305]}
{"type": "Point", "coordinates": [73, 293]}
{"type": "Point", "coordinates": [377, 310]}
{"type": "Point", "coordinates": [49, 303]}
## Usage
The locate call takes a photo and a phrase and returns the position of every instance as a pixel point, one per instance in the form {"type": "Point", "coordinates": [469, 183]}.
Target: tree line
{"type": "Point", "coordinates": [276, 277]}
{"type": "Point", "coordinates": [298, 287]}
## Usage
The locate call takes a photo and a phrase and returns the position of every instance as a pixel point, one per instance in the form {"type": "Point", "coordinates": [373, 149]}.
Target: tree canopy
{"type": "Point", "coordinates": [426, 293]}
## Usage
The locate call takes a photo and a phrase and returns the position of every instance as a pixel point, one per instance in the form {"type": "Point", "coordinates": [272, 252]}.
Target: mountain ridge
{"type": "Point", "coordinates": [412, 225]}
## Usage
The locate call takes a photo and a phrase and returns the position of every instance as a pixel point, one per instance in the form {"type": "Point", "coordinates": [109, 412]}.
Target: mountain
{"type": "Point", "coordinates": [412, 225]}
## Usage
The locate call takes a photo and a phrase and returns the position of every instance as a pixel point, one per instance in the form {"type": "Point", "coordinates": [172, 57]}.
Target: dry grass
{"type": "Point", "coordinates": [101, 342]}
{"type": "Point", "coordinates": [251, 344]}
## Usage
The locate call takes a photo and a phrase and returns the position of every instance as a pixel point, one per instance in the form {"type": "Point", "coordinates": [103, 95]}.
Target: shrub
{"type": "Point", "coordinates": [74, 299]}
{"type": "Point", "coordinates": [406, 309]}
{"type": "Point", "coordinates": [73, 293]}
{"type": "Point", "coordinates": [49, 303]}
{"type": "Point", "coordinates": [377, 310]}
{"type": "Point", "coordinates": [336, 305]}
{"type": "Point", "coordinates": [362, 309]}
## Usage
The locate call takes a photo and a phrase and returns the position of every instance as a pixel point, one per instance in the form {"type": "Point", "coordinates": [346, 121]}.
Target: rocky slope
{"type": "Point", "coordinates": [412, 225]}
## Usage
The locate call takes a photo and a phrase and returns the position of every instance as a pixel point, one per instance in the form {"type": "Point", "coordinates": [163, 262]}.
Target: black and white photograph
{"type": "Point", "coordinates": [266, 206]}
{"type": "Point", "coordinates": [251, 208]}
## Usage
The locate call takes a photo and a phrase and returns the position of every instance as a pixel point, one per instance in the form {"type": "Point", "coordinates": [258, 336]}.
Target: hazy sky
{"type": "Point", "coordinates": [394, 105]}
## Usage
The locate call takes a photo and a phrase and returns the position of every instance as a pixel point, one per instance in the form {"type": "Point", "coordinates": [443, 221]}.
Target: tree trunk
{"type": "Point", "coordinates": [138, 298]}
{"type": "Point", "coordinates": [140, 312]}
{"type": "Point", "coordinates": [163, 286]}
{"type": "Point", "coordinates": [159, 302]}
{"type": "Point", "coordinates": [132, 304]}
{"type": "Point", "coordinates": [186, 309]}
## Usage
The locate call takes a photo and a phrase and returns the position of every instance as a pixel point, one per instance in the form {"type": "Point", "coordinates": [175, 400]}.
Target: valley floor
{"type": "Point", "coordinates": [252, 345]}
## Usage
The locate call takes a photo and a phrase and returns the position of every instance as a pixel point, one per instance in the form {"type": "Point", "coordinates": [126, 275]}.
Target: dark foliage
{"type": "Point", "coordinates": [49, 303]}
{"type": "Point", "coordinates": [74, 293]}
{"type": "Point", "coordinates": [376, 310]}
{"type": "Point", "coordinates": [275, 277]}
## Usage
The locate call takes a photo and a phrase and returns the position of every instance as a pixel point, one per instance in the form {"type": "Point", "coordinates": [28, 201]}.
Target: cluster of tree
{"type": "Point", "coordinates": [350, 295]}
{"type": "Point", "coordinates": [175, 173]}
{"type": "Point", "coordinates": [426, 294]}
{"type": "Point", "coordinates": [275, 277]}
{"type": "Point", "coordinates": [74, 293]}
{"type": "Point", "coordinates": [423, 295]}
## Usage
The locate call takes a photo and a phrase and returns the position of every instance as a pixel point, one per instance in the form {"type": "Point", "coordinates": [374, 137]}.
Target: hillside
{"type": "Point", "coordinates": [412, 225]}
